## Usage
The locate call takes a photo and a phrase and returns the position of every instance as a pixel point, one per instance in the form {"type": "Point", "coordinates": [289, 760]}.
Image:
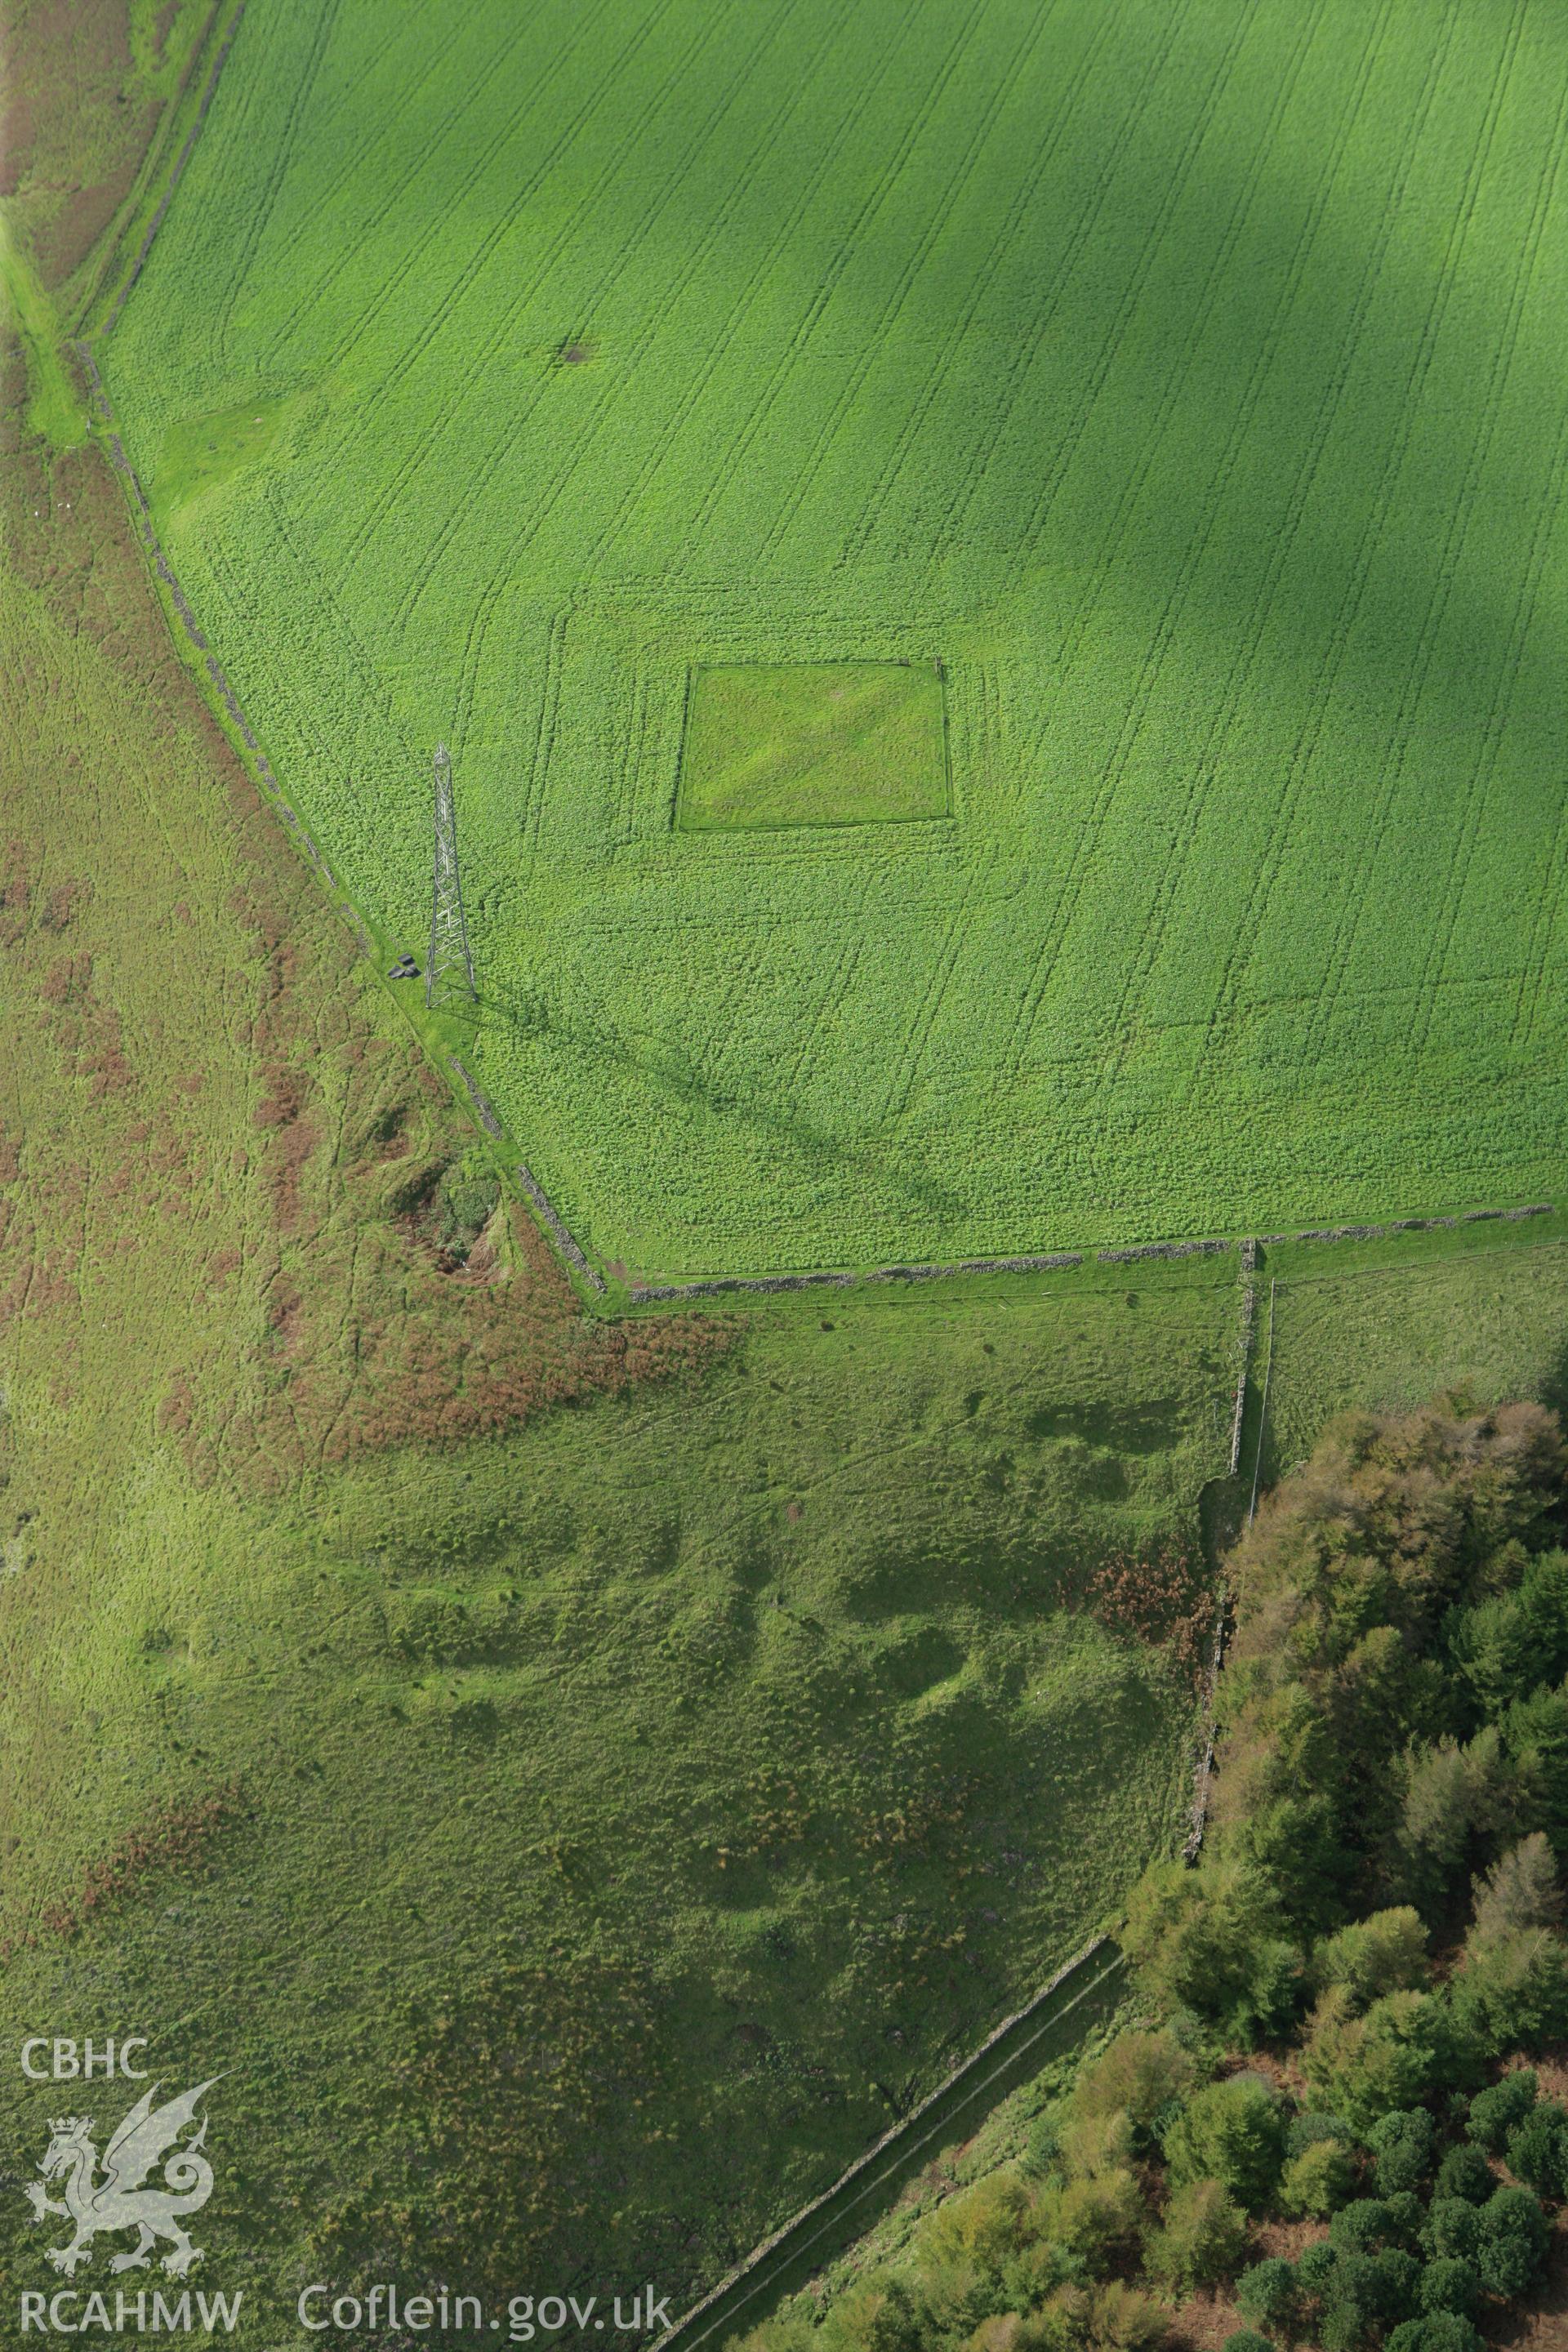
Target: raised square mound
{"type": "Point", "coordinates": [812, 743]}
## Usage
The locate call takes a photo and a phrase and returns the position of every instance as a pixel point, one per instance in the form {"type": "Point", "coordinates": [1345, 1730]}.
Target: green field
{"type": "Point", "coordinates": [576, 1779]}
{"type": "Point", "coordinates": [459, 1717]}
{"type": "Point", "coordinates": [1182, 378]}
{"type": "Point", "coordinates": [738, 1740]}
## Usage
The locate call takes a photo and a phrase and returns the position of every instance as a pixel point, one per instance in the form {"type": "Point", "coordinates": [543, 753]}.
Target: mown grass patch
{"type": "Point", "coordinates": [814, 744]}
{"type": "Point", "coordinates": [201, 454]}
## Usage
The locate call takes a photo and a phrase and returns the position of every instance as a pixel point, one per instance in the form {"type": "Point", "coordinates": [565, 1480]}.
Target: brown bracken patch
{"type": "Point", "coordinates": [1165, 1596]}
{"type": "Point", "coordinates": [176, 1838]}
{"type": "Point", "coordinates": [236, 1120]}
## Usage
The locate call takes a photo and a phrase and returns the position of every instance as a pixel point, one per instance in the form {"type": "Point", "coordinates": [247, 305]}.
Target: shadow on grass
{"type": "Point", "coordinates": [673, 1074]}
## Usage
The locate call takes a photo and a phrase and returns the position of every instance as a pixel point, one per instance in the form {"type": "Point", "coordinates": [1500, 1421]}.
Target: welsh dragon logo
{"type": "Point", "coordinates": [119, 2199]}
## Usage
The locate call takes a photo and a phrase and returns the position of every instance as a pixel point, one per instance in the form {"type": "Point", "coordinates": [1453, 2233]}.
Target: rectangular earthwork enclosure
{"type": "Point", "coordinates": [812, 743]}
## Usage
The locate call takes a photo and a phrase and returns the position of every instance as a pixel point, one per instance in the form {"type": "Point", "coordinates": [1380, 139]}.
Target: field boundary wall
{"type": "Point", "coordinates": [1202, 1776]}
{"type": "Point", "coordinates": [557, 1230]}
{"type": "Point", "coordinates": [1249, 1315]}
{"type": "Point", "coordinates": [769, 1284]}
{"type": "Point", "coordinates": [888, 2156]}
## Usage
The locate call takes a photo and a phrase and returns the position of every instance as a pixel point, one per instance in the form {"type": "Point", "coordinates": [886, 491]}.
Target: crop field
{"type": "Point", "coordinates": [1176, 381]}
{"type": "Point", "coordinates": [572, 1832]}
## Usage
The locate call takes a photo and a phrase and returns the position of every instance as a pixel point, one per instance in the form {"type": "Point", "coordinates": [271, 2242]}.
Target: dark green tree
{"type": "Point", "coordinates": [1449, 2284]}
{"type": "Point", "coordinates": [1269, 2293]}
{"type": "Point", "coordinates": [1511, 2243]}
{"type": "Point", "coordinates": [1501, 2108]}
{"type": "Point", "coordinates": [1402, 2144]}
{"type": "Point", "coordinates": [1453, 2228]}
{"type": "Point", "coordinates": [1362, 2226]}
{"type": "Point", "coordinates": [1535, 1734]}
{"type": "Point", "coordinates": [1538, 2150]}
{"type": "Point", "coordinates": [1465, 2172]}
{"type": "Point", "coordinates": [1435, 2331]}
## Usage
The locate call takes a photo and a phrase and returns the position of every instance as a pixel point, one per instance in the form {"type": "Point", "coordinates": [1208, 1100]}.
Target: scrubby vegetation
{"type": "Point", "coordinates": [1331, 2123]}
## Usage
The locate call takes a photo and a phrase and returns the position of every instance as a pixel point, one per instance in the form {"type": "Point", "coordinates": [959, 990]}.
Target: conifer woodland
{"type": "Point", "coordinates": [1340, 2121]}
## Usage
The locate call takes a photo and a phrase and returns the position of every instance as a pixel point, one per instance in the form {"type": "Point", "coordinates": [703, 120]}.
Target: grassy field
{"type": "Point", "coordinates": [578, 1781]}
{"type": "Point", "coordinates": [1393, 1331]}
{"type": "Point", "coordinates": [1182, 378]}
{"type": "Point", "coordinates": [581, 1778]}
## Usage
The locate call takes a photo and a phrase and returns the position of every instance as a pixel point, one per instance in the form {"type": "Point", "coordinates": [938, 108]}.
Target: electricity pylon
{"type": "Point", "coordinates": [449, 972]}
